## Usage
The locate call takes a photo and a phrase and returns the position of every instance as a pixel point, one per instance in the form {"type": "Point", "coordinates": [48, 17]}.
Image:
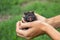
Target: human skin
{"type": "Point", "coordinates": [53, 33]}
{"type": "Point", "coordinates": [36, 27]}
{"type": "Point", "coordinates": [49, 21]}
{"type": "Point", "coordinates": [54, 21]}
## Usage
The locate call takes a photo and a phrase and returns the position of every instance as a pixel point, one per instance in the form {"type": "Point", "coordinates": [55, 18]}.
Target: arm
{"type": "Point", "coordinates": [48, 29]}
{"type": "Point", "coordinates": [41, 32]}
{"type": "Point", "coordinates": [54, 21]}
{"type": "Point", "coordinates": [37, 27]}
{"type": "Point", "coordinates": [53, 33]}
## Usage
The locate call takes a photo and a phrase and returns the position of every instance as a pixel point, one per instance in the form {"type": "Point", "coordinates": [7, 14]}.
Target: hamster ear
{"type": "Point", "coordinates": [25, 13]}
{"type": "Point", "coordinates": [32, 12]}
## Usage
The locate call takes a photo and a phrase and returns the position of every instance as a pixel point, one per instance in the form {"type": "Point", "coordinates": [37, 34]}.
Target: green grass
{"type": "Point", "coordinates": [8, 27]}
{"type": "Point", "coordinates": [45, 9]}
{"type": "Point", "coordinates": [8, 30]}
{"type": "Point", "coordinates": [11, 7]}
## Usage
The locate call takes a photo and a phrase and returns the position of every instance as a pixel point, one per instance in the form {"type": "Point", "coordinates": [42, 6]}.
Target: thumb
{"type": "Point", "coordinates": [25, 25]}
{"type": "Point", "coordinates": [18, 24]}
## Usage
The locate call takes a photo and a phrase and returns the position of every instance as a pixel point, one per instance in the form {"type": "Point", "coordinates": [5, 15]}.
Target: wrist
{"type": "Point", "coordinates": [47, 28]}
{"type": "Point", "coordinates": [44, 26]}
{"type": "Point", "coordinates": [53, 33]}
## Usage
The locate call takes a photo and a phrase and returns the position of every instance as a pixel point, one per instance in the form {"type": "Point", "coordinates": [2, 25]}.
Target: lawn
{"type": "Point", "coordinates": [17, 8]}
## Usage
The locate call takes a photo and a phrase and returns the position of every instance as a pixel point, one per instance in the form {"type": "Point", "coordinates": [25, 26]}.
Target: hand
{"type": "Point", "coordinates": [33, 31]}
{"type": "Point", "coordinates": [39, 18]}
{"type": "Point", "coordinates": [27, 33]}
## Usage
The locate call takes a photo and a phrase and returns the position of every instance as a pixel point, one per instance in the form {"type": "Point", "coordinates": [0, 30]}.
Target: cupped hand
{"type": "Point", "coordinates": [34, 29]}
{"type": "Point", "coordinates": [39, 18]}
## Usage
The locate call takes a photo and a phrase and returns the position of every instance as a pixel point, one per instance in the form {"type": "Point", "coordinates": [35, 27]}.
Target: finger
{"type": "Point", "coordinates": [23, 20]}
{"type": "Point", "coordinates": [30, 24]}
{"type": "Point", "coordinates": [18, 25]}
{"type": "Point", "coordinates": [40, 18]}
{"type": "Point", "coordinates": [21, 32]}
{"type": "Point", "coordinates": [23, 25]}
{"type": "Point", "coordinates": [20, 35]}
{"type": "Point", "coordinates": [25, 32]}
{"type": "Point", "coordinates": [23, 36]}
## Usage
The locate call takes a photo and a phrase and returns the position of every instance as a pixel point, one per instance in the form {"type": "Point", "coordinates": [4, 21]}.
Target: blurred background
{"type": "Point", "coordinates": [11, 11]}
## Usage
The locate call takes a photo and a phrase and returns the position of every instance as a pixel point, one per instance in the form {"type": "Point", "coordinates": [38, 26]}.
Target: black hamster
{"type": "Point", "coordinates": [29, 16]}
